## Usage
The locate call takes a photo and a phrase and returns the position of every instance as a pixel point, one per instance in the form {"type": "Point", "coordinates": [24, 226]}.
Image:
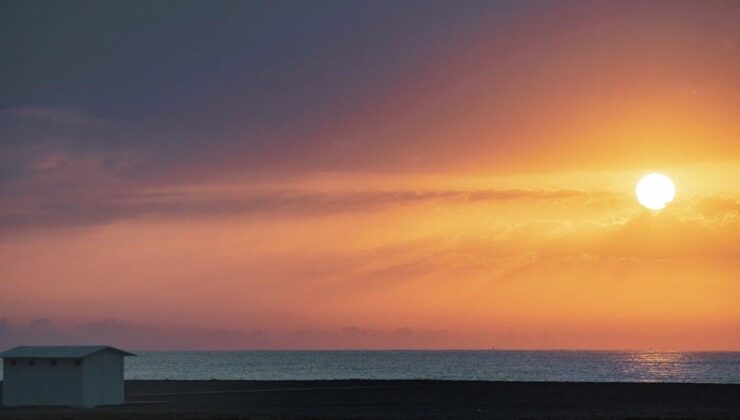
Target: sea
{"type": "Point", "coordinates": [470, 365]}
{"type": "Point", "coordinates": [493, 365]}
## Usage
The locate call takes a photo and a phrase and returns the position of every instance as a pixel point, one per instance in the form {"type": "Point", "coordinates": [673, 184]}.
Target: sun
{"type": "Point", "coordinates": [655, 190]}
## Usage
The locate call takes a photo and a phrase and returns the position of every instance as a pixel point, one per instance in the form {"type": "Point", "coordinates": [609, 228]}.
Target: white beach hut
{"type": "Point", "coordinates": [77, 376]}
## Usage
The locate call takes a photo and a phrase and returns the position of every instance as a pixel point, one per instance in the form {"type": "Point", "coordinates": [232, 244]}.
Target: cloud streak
{"type": "Point", "coordinates": [56, 115]}
{"type": "Point", "coordinates": [92, 209]}
{"type": "Point", "coordinates": [150, 337]}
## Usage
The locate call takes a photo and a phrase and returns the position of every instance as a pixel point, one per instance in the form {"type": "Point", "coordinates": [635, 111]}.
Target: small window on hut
{"type": "Point", "coordinates": [53, 362]}
{"type": "Point", "coordinates": [13, 362]}
{"type": "Point", "coordinates": [78, 362]}
{"type": "Point", "coordinates": [31, 362]}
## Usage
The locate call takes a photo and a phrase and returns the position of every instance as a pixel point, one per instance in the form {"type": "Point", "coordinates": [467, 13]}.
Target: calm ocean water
{"type": "Point", "coordinates": [599, 366]}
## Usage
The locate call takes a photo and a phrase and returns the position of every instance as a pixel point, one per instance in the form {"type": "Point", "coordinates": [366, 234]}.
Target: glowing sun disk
{"type": "Point", "coordinates": [655, 190]}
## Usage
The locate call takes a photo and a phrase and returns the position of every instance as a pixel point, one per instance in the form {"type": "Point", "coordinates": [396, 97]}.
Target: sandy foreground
{"type": "Point", "coordinates": [370, 399]}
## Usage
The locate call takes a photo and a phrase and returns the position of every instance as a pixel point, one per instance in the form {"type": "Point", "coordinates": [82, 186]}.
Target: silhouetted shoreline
{"type": "Point", "coordinates": [374, 399]}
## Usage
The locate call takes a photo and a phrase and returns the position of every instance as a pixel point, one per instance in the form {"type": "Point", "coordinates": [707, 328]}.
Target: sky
{"type": "Point", "coordinates": [370, 175]}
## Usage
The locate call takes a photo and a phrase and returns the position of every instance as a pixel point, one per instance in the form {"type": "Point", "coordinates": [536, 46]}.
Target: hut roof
{"type": "Point", "coordinates": [58, 352]}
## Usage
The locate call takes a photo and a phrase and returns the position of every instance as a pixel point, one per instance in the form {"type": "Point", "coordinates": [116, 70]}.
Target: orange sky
{"type": "Point", "coordinates": [482, 198]}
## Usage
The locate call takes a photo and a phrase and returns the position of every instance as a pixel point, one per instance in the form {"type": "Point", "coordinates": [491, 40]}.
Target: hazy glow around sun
{"type": "Point", "coordinates": [655, 190]}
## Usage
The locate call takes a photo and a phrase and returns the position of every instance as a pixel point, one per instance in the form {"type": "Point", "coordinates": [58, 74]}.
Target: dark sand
{"type": "Point", "coordinates": [407, 399]}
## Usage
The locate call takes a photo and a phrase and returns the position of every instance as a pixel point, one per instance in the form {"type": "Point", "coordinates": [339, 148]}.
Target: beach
{"type": "Point", "coordinates": [376, 399]}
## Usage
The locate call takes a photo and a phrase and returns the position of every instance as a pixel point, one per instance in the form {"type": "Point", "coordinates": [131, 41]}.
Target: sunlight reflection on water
{"type": "Point", "coordinates": [662, 366]}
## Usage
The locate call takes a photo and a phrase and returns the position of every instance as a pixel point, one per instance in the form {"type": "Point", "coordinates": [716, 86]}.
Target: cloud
{"type": "Point", "coordinates": [143, 337]}
{"type": "Point", "coordinates": [647, 235]}
{"type": "Point", "coordinates": [63, 210]}
{"type": "Point", "coordinates": [704, 231]}
{"type": "Point", "coordinates": [56, 115]}
{"type": "Point", "coordinates": [705, 228]}
{"type": "Point", "coordinates": [111, 332]}
{"type": "Point", "coordinates": [719, 210]}
{"type": "Point", "coordinates": [149, 337]}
